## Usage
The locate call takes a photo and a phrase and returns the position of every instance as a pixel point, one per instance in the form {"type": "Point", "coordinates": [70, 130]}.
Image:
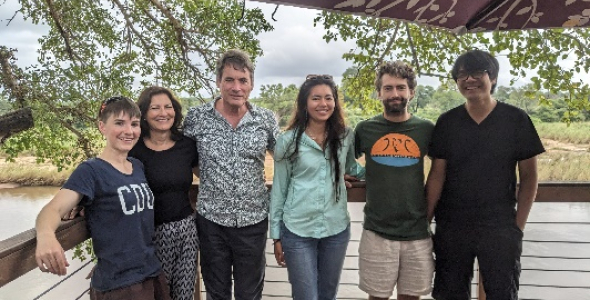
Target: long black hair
{"type": "Point", "coordinates": [335, 126]}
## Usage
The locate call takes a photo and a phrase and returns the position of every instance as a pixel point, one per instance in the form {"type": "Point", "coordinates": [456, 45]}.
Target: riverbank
{"type": "Point", "coordinates": [27, 171]}
{"type": "Point", "coordinates": [563, 161]}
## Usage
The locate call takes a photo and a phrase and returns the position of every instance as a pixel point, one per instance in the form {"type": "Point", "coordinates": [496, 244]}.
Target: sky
{"type": "Point", "coordinates": [294, 49]}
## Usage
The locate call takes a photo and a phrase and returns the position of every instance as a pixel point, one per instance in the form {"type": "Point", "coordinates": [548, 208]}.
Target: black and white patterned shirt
{"type": "Point", "coordinates": [232, 191]}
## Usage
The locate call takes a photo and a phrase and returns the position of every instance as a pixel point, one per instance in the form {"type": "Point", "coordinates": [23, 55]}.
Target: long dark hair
{"type": "Point", "coordinates": [335, 127]}
{"type": "Point", "coordinates": [144, 102]}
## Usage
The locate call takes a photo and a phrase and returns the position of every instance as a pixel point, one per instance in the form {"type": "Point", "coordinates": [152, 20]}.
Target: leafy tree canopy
{"type": "Point", "coordinates": [536, 54]}
{"type": "Point", "coordinates": [280, 99]}
{"type": "Point", "coordinates": [95, 49]}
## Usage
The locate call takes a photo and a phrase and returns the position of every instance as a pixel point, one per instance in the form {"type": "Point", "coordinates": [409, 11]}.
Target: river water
{"type": "Point", "coordinates": [20, 206]}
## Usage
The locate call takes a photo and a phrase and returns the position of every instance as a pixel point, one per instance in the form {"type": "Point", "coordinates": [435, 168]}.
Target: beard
{"type": "Point", "coordinates": [394, 108]}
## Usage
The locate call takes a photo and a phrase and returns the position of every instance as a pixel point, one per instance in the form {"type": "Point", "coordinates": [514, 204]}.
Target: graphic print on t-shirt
{"type": "Point", "coordinates": [396, 150]}
{"type": "Point", "coordinates": [135, 197]}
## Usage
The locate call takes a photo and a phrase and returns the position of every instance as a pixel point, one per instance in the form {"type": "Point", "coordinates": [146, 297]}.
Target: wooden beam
{"type": "Point", "coordinates": [15, 122]}
{"type": "Point", "coordinates": [563, 192]}
{"type": "Point", "coordinates": [17, 254]}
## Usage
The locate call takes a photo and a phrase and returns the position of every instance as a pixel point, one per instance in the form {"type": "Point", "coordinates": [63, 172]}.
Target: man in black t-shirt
{"type": "Point", "coordinates": [471, 188]}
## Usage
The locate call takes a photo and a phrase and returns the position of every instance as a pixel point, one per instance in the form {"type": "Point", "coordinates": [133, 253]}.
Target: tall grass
{"type": "Point", "coordinates": [552, 166]}
{"type": "Point", "coordinates": [29, 173]}
{"type": "Point", "coordinates": [564, 166]}
{"type": "Point", "coordinates": [575, 133]}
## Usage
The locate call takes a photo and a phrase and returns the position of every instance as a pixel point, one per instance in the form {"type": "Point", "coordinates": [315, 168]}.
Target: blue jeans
{"type": "Point", "coordinates": [314, 265]}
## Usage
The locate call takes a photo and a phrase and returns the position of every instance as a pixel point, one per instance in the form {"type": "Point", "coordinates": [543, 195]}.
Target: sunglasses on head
{"type": "Point", "coordinates": [109, 101]}
{"type": "Point", "coordinates": [318, 76]}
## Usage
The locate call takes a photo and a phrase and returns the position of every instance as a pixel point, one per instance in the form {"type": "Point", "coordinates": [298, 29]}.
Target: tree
{"type": "Point", "coordinates": [536, 53]}
{"type": "Point", "coordinates": [423, 97]}
{"type": "Point", "coordinates": [445, 99]}
{"type": "Point", "coordinates": [4, 105]}
{"type": "Point", "coordinates": [96, 49]}
{"type": "Point", "coordinates": [279, 99]}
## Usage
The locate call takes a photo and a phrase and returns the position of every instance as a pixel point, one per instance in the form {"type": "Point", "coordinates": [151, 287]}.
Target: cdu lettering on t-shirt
{"type": "Point", "coordinates": [135, 197]}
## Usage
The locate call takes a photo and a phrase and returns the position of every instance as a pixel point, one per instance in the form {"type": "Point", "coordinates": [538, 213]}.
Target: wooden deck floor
{"type": "Point", "coordinates": [277, 287]}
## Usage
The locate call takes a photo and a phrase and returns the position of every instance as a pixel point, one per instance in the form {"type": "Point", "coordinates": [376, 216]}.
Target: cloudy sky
{"type": "Point", "coordinates": [294, 49]}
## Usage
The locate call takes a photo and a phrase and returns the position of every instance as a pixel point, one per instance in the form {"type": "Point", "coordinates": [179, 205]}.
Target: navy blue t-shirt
{"type": "Point", "coordinates": [120, 217]}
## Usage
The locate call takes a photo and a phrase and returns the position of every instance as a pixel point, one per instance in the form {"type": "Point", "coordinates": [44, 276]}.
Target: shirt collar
{"type": "Point", "coordinates": [253, 109]}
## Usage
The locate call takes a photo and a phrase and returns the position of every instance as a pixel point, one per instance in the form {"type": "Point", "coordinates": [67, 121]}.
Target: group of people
{"type": "Point", "coordinates": [145, 234]}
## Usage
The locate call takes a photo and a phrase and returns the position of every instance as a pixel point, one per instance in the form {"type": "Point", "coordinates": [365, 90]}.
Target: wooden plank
{"type": "Point", "coordinates": [547, 192]}
{"type": "Point", "coordinates": [563, 192]}
{"type": "Point", "coordinates": [17, 254]}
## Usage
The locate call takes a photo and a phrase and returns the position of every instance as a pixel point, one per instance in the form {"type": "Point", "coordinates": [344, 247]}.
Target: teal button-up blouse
{"type": "Point", "coordinates": [302, 195]}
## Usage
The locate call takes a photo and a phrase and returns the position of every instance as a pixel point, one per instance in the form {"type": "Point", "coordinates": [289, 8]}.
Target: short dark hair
{"type": "Point", "coordinates": [116, 105]}
{"type": "Point", "coordinates": [477, 60]}
{"type": "Point", "coordinates": [144, 102]}
{"type": "Point", "coordinates": [397, 69]}
{"type": "Point", "coordinates": [238, 59]}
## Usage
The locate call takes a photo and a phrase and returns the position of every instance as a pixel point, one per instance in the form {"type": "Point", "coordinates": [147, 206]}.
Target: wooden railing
{"type": "Point", "coordinates": [17, 254]}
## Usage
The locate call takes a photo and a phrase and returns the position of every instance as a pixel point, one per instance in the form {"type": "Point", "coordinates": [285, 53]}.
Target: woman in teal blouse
{"type": "Point", "coordinates": [309, 221]}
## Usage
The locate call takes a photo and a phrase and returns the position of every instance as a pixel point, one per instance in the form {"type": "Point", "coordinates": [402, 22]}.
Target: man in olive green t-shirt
{"type": "Point", "coordinates": [395, 247]}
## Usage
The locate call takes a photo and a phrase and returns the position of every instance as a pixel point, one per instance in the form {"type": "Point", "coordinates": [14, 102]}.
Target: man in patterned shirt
{"type": "Point", "coordinates": [232, 137]}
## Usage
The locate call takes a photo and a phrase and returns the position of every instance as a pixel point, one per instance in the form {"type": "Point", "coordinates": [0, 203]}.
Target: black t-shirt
{"type": "Point", "coordinates": [480, 184]}
{"type": "Point", "coordinates": [169, 175]}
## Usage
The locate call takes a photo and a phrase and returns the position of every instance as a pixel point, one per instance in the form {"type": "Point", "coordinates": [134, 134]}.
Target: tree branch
{"type": "Point", "coordinates": [129, 24]}
{"type": "Point", "coordinates": [9, 80]}
{"type": "Point", "coordinates": [64, 34]}
{"type": "Point", "coordinates": [413, 48]}
{"type": "Point", "coordinates": [389, 45]}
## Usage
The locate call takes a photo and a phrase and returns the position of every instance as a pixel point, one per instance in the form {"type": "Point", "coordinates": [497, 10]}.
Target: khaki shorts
{"type": "Point", "coordinates": [384, 263]}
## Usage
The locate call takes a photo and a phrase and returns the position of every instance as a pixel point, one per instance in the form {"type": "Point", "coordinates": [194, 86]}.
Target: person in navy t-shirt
{"type": "Point", "coordinates": [119, 208]}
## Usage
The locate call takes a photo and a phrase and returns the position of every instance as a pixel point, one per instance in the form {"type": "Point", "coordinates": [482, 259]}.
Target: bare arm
{"type": "Point", "coordinates": [527, 171]}
{"type": "Point", "coordinates": [434, 184]}
{"type": "Point", "coordinates": [49, 254]}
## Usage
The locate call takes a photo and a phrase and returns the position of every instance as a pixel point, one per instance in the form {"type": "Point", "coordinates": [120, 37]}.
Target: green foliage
{"type": "Point", "coordinates": [280, 99]}
{"type": "Point", "coordinates": [5, 106]}
{"type": "Point", "coordinates": [354, 115]}
{"type": "Point", "coordinates": [534, 53]}
{"type": "Point", "coordinates": [97, 49]}
{"type": "Point", "coordinates": [83, 251]}
{"type": "Point", "coordinates": [188, 102]}
{"type": "Point", "coordinates": [423, 96]}
{"type": "Point", "coordinates": [575, 132]}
